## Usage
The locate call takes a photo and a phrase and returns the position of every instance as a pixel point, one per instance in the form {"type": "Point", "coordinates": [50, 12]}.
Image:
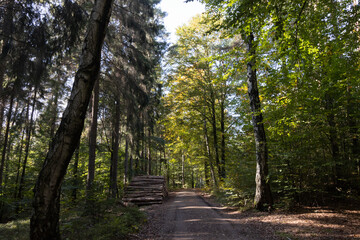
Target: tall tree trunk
{"type": "Point", "coordinates": [206, 171]}
{"type": "Point", "coordinates": [223, 146]}
{"type": "Point", "coordinates": [131, 168]}
{"type": "Point", "coordinates": [353, 129]}
{"type": "Point", "coordinates": [115, 151]}
{"type": "Point", "coordinates": [18, 167]}
{"type": "Point", "coordinates": [167, 168]}
{"type": "Point", "coordinates": [93, 137]}
{"type": "Point", "coordinates": [7, 30]}
{"type": "Point", "coordinates": [44, 222]}
{"type": "Point", "coordinates": [183, 170]}
{"type": "Point", "coordinates": [75, 174]}
{"type": "Point", "coordinates": [126, 161]}
{"type": "Point", "coordinates": [214, 131]}
{"type": "Point", "coordinates": [29, 130]}
{"type": "Point", "coordinates": [263, 194]}
{"type": "Point", "coordinates": [149, 153]}
{"type": "Point", "coordinates": [212, 170]}
{"type": "Point", "coordinates": [6, 139]}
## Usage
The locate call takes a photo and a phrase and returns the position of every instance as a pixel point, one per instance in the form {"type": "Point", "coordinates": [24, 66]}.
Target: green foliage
{"type": "Point", "coordinates": [15, 230]}
{"type": "Point", "coordinates": [113, 222]}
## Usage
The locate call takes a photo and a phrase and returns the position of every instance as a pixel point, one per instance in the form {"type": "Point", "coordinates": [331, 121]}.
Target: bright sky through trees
{"type": "Point", "coordinates": [179, 13]}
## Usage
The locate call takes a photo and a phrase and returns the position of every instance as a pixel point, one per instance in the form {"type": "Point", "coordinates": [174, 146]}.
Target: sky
{"type": "Point", "coordinates": [179, 13]}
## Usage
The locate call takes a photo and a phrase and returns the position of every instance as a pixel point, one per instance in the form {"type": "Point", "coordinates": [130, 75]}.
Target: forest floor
{"type": "Point", "coordinates": [193, 215]}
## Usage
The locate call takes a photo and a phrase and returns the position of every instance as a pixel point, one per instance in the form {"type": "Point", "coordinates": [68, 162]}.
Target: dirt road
{"type": "Point", "coordinates": [187, 216]}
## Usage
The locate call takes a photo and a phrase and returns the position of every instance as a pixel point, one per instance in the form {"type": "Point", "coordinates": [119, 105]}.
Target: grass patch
{"type": "Point", "coordinates": [232, 198]}
{"type": "Point", "coordinates": [15, 230]}
{"type": "Point", "coordinates": [113, 221]}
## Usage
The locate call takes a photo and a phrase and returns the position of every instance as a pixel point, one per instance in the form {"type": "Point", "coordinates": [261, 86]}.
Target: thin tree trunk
{"type": "Point", "coordinates": [115, 151]}
{"type": "Point", "coordinates": [353, 129]}
{"type": "Point", "coordinates": [206, 171]}
{"type": "Point", "coordinates": [212, 170]}
{"type": "Point", "coordinates": [263, 194]}
{"type": "Point", "coordinates": [93, 137]}
{"type": "Point", "coordinates": [18, 167]}
{"type": "Point", "coordinates": [223, 146]}
{"type": "Point", "coordinates": [27, 144]}
{"type": "Point", "coordinates": [131, 169]}
{"type": "Point", "coordinates": [215, 136]}
{"type": "Point", "coordinates": [6, 48]}
{"type": "Point", "coordinates": [75, 174]}
{"type": "Point", "coordinates": [44, 222]}
{"type": "Point", "coordinates": [183, 170]}
{"type": "Point", "coordinates": [6, 139]}
{"type": "Point", "coordinates": [167, 168]}
{"type": "Point", "coordinates": [126, 161]}
{"type": "Point", "coordinates": [149, 153]}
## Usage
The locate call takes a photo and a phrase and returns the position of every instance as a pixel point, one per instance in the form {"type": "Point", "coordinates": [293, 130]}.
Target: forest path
{"type": "Point", "coordinates": [187, 216]}
{"type": "Point", "coordinates": [190, 217]}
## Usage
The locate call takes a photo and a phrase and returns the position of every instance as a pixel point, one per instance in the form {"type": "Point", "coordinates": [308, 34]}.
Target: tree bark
{"type": "Point", "coordinates": [115, 151]}
{"type": "Point", "coordinates": [75, 174]}
{"type": "Point", "coordinates": [213, 176]}
{"type": "Point", "coordinates": [183, 170]}
{"type": "Point", "coordinates": [223, 146]}
{"type": "Point", "coordinates": [214, 129]}
{"type": "Point", "coordinates": [149, 153]}
{"type": "Point", "coordinates": [126, 161]}
{"type": "Point", "coordinates": [6, 47]}
{"type": "Point", "coordinates": [6, 139]}
{"type": "Point", "coordinates": [44, 222]}
{"type": "Point", "coordinates": [27, 146]}
{"type": "Point", "coordinates": [263, 194]}
{"type": "Point", "coordinates": [93, 136]}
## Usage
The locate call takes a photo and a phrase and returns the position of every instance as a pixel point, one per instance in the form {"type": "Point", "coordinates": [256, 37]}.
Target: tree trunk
{"type": "Point", "coordinates": [75, 174]}
{"type": "Point", "coordinates": [44, 222]}
{"type": "Point", "coordinates": [167, 168]}
{"type": "Point", "coordinates": [93, 137]}
{"type": "Point", "coordinates": [6, 139]}
{"type": "Point", "coordinates": [18, 167]}
{"type": "Point", "coordinates": [183, 170]}
{"type": "Point", "coordinates": [131, 168]}
{"type": "Point", "coordinates": [223, 146]}
{"type": "Point", "coordinates": [115, 151]}
{"type": "Point", "coordinates": [149, 154]}
{"type": "Point", "coordinates": [27, 144]}
{"type": "Point", "coordinates": [6, 47]}
{"type": "Point", "coordinates": [213, 176]}
{"type": "Point", "coordinates": [126, 161]}
{"type": "Point", "coordinates": [214, 129]}
{"type": "Point", "coordinates": [263, 194]}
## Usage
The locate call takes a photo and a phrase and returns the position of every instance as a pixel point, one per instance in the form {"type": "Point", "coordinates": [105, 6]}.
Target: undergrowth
{"type": "Point", "coordinates": [112, 221]}
{"type": "Point", "coordinates": [232, 198]}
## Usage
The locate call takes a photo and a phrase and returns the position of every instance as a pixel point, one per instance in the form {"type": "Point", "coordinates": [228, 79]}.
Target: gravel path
{"type": "Point", "coordinates": [185, 215]}
{"type": "Point", "coordinates": [190, 215]}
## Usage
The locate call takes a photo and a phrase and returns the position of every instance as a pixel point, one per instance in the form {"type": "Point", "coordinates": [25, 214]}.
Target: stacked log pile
{"type": "Point", "coordinates": [145, 190]}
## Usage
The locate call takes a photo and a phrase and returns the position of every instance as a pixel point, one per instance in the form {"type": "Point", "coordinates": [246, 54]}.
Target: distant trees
{"type": "Point", "coordinates": [200, 84]}
{"type": "Point", "coordinates": [293, 55]}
